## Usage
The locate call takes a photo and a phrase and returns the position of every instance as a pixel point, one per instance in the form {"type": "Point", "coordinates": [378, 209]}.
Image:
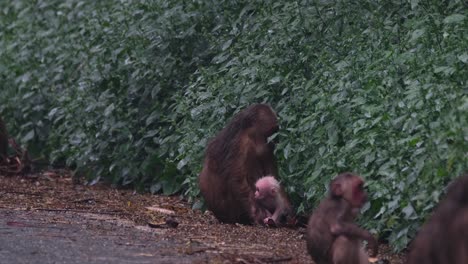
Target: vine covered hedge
{"type": "Point", "coordinates": [131, 91]}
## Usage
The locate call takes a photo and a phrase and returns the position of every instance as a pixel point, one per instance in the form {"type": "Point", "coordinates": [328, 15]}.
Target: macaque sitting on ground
{"type": "Point", "coordinates": [235, 159]}
{"type": "Point", "coordinates": [332, 236]}
{"type": "Point", "coordinates": [444, 237]}
{"type": "Point", "coordinates": [272, 206]}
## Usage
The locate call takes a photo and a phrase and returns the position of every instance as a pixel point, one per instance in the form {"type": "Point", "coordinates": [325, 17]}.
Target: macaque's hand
{"type": "Point", "coordinates": [269, 222]}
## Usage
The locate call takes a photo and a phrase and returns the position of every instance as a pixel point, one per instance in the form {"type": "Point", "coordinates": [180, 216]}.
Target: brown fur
{"type": "Point", "coordinates": [234, 159]}
{"type": "Point", "coordinates": [332, 236]}
{"type": "Point", "coordinates": [444, 237]}
{"type": "Point", "coordinates": [3, 140]}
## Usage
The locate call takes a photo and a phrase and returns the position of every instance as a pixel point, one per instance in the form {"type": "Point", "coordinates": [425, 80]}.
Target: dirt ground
{"type": "Point", "coordinates": [198, 237]}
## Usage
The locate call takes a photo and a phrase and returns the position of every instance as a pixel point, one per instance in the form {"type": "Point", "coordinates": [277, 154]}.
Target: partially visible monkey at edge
{"type": "Point", "coordinates": [444, 237]}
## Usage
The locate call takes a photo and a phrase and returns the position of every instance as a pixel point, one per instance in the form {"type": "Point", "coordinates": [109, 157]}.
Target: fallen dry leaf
{"type": "Point", "coordinates": [160, 210]}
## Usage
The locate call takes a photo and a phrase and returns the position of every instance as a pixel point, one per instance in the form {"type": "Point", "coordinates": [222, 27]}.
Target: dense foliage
{"type": "Point", "coordinates": [130, 92]}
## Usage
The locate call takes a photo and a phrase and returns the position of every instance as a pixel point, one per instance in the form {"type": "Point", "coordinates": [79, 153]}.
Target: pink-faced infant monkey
{"type": "Point", "coordinates": [272, 206]}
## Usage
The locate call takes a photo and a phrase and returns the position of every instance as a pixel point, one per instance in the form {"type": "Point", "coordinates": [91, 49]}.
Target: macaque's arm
{"type": "Point", "coordinates": [352, 230]}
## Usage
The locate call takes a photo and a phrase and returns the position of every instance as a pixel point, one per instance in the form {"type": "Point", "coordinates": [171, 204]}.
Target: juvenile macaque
{"type": "Point", "coordinates": [271, 201]}
{"type": "Point", "coordinates": [332, 236]}
{"type": "Point", "coordinates": [234, 159]}
{"type": "Point", "coordinates": [3, 140]}
{"type": "Point", "coordinates": [444, 237]}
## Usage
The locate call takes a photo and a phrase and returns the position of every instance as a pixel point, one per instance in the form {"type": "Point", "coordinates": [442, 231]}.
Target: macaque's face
{"type": "Point", "coordinates": [359, 195]}
{"type": "Point", "coordinates": [351, 189]}
{"type": "Point", "coordinates": [261, 191]}
{"type": "Point", "coordinates": [339, 241]}
{"type": "Point", "coordinates": [265, 188]}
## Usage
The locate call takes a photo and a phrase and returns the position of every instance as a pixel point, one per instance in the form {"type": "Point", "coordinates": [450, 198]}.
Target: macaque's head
{"type": "Point", "coordinates": [266, 187]}
{"type": "Point", "coordinates": [261, 119]}
{"type": "Point", "coordinates": [350, 187]}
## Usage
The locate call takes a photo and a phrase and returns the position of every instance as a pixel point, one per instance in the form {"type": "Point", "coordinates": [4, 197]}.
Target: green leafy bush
{"type": "Point", "coordinates": [90, 84]}
{"type": "Point", "coordinates": [131, 92]}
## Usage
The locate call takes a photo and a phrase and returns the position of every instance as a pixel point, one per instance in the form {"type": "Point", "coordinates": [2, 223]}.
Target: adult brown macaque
{"type": "Point", "coordinates": [3, 140]}
{"type": "Point", "coordinates": [272, 206]}
{"type": "Point", "coordinates": [444, 237]}
{"type": "Point", "coordinates": [234, 159]}
{"type": "Point", "coordinates": [332, 235]}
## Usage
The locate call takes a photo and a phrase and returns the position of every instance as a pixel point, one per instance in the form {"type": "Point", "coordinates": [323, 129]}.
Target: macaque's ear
{"type": "Point", "coordinates": [336, 189]}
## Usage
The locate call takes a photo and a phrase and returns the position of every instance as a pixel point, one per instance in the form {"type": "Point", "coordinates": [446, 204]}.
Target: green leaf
{"type": "Point", "coordinates": [445, 70]}
{"type": "Point", "coordinates": [414, 4]}
{"type": "Point", "coordinates": [52, 112]}
{"type": "Point", "coordinates": [226, 45]}
{"type": "Point", "coordinates": [415, 35]}
{"type": "Point", "coordinates": [29, 136]}
{"type": "Point", "coordinates": [463, 57]}
{"type": "Point", "coordinates": [408, 211]}
{"type": "Point", "coordinates": [108, 111]}
{"type": "Point", "coordinates": [274, 80]}
{"type": "Point", "coordinates": [454, 19]}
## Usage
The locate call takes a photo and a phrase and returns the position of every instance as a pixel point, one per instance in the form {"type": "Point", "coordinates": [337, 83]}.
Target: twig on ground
{"type": "Point", "coordinates": [275, 260]}
{"type": "Point", "coordinates": [114, 212]}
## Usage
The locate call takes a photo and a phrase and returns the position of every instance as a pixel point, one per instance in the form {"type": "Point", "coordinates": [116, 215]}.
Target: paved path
{"type": "Point", "coordinates": [74, 237]}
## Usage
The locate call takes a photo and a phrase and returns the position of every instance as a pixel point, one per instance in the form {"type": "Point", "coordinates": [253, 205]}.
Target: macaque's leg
{"type": "Point", "coordinates": [347, 251]}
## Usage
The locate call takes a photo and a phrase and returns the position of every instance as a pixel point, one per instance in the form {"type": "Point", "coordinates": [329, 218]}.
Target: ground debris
{"type": "Point", "coordinates": [200, 234]}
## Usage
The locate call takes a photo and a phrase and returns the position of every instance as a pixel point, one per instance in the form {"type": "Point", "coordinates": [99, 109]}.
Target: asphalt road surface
{"type": "Point", "coordinates": [75, 237]}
